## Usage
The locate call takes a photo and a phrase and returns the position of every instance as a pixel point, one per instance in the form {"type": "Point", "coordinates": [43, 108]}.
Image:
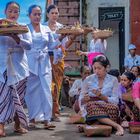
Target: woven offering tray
{"type": "Point", "coordinates": [134, 127]}
{"type": "Point", "coordinates": [13, 30]}
{"type": "Point", "coordinates": [10, 27]}
{"type": "Point", "coordinates": [103, 33]}
{"type": "Point", "coordinates": [87, 29]}
{"type": "Point", "coordinates": [75, 31]}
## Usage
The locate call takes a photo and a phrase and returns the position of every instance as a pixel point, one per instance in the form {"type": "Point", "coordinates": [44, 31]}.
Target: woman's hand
{"type": "Point", "coordinates": [15, 37]}
{"type": "Point", "coordinates": [62, 36]}
{"type": "Point", "coordinates": [72, 37]}
{"type": "Point", "coordinates": [127, 97]}
{"type": "Point", "coordinates": [97, 92]}
{"type": "Point", "coordinates": [85, 99]}
{"type": "Point", "coordinates": [129, 112]}
{"type": "Point", "coordinates": [80, 53]}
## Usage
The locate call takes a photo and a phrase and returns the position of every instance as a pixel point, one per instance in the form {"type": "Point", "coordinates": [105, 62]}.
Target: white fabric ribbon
{"type": "Point", "coordinates": [41, 54]}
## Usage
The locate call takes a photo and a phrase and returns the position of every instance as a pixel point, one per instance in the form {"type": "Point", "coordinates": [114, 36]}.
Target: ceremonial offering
{"type": "Point", "coordinates": [87, 29]}
{"type": "Point", "coordinates": [102, 33]}
{"type": "Point", "coordinates": [68, 30]}
{"type": "Point", "coordinates": [11, 27]}
{"type": "Point", "coordinates": [76, 29]}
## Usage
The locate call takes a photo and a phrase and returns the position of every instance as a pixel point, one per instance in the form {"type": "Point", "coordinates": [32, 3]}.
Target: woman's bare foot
{"type": "Point", "coordinates": [21, 130]}
{"type": "Point", "coordinates": [2, 133]}
{"type": "Point", "coordinates": [120, 131]}
{"type": "Point", "coordinates": [17, 127]}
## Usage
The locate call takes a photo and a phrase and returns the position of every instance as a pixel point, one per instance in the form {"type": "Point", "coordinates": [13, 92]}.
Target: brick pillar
{"type": "Point", "coordinates": [135, 23]}
{"type": "Point", "coordinates": [69, 11]}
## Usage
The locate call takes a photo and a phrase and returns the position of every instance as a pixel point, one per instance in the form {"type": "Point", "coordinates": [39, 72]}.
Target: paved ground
{"type": "Point", "coordinates": [63, 131]}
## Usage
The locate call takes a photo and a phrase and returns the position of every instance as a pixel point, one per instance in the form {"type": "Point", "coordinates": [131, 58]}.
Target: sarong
{"type": "Point", "coordinates": [128, 114]}
{"type": "Point", "coordinates": [10, 103]}
{"type": "Point", "coordinates": [97, 110]}
{"type": "Point", "coordinates": [57, 79]}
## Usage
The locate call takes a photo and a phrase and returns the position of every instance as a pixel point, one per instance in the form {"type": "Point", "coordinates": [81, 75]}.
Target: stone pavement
{"type": "Point", "coordinates": [63, 131]}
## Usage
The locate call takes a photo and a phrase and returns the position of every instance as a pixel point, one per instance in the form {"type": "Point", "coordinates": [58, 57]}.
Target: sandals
{"type": "Point", "coordinates": [32, 125]}
{"type": "Point", "coordinates": [56, 119]}
{"type": "Point", "coordinates": [49, 126]}
{"type": "Point", "coordinates": [21, 130]}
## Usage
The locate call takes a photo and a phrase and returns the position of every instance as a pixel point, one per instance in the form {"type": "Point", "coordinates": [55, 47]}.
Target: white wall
{"type": "Point", "coordinates": [92, 16]}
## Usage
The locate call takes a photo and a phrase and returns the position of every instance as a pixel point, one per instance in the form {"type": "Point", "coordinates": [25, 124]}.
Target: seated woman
{"type": "Point", "coordinates": [136, 71]}
{"type": "Point", "coordinates": [76, 87]}
{"type": "Point", "coordinates": [129, 112]}
{"type": "Point", "coordinates": [136, 94]}
{"type": "Point", "coordinates": [100, 95]}
{"type": "Point", "coordinates": [115, 72]}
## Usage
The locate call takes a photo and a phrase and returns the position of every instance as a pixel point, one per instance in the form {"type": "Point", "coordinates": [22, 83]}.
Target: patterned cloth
{"type": "Point", "coordinates": [10, 102]}
{"type": "Point", "coordinates": [21, 90]}
{"type": "Point", "coordinates": [57, 78]}
{"type": "Point", "coordinates": [96, 110]}
{"type": "Point", "coordinates": [128, 111]}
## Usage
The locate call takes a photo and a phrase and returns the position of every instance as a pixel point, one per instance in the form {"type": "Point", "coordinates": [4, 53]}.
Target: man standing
{"type": "Point", "coordinates": [132, 59]}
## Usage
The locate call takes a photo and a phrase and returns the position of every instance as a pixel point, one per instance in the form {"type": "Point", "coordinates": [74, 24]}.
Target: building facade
{"type": "Point", "coordinates": [121, 16]}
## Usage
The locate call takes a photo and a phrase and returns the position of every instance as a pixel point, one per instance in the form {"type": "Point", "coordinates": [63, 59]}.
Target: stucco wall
{"type": "Point", "coordinates": [92, 14]}
{"type": "Point", "coordinates": [135, 23]}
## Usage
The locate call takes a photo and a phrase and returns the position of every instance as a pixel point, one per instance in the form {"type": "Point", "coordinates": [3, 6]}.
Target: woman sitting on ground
{"type": "Point", "coordinates": [129, 112]}
{"type": "Point", "coordinates": [76, 87]}
{"type": "Point", "coordinates": [136, 71]}
{"type": "Point", "coordinates": [100, 95]}
{"type": "Point", "coordinates": [115, 72]}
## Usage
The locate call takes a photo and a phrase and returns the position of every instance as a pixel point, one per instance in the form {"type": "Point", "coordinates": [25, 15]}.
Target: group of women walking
{"type": "Point", "coordinates": [32, 68]}
{"type": "Point", "coordinates": [26, 69]}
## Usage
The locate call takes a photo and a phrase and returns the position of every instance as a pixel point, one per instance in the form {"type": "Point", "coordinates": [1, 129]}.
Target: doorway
{"type": "Point", "coordinates": [114, 18]}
